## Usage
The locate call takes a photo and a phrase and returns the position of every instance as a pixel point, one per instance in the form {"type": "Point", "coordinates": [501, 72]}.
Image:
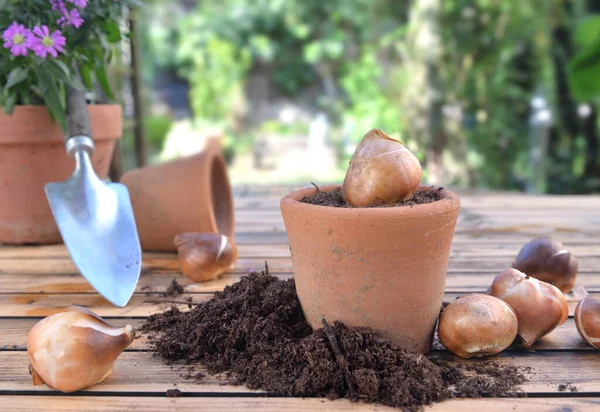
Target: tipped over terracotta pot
{"type": "Point", "coordinates": [32, 153]}
{"type": "Point", "coordinates": [381, 267]}
{"type": "Point", "coordinates": [188, 194]}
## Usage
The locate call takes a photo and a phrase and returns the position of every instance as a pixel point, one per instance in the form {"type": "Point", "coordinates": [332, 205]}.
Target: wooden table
{"type": "Point", "coordinates": [38, 281]}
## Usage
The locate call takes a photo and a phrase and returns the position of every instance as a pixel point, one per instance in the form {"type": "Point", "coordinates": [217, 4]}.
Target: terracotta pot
{"type": "Point", "coordinates": [379, 267]}
{"type": "Point", "coordinates": [188, 194]}
{"type": "Point", "coordinates": [32, 154]}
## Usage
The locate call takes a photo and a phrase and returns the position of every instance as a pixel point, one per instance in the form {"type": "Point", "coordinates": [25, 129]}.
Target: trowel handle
{"type": "Point", "coordinates": [78, 118]}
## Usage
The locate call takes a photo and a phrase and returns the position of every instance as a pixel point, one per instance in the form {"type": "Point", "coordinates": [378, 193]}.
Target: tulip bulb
{"type": "Point", "coordinates": [382, 170]}
{"type": "Point", "coordinates": [477, 325]}
{"type": "Point", "coordinates": [75, 349]}
{"type": "Point", "coordinates": [546, 259]}
{"type": "Point", "coordinates": [540, 306]}
{"type": "Point", "coordinates": [587, 320]}
{"type": "Point", "coordinates": [205, 256]}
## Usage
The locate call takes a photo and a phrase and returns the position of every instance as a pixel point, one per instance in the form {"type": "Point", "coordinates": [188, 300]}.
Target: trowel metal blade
{"type": "Point", "coordinates": [97, 225]}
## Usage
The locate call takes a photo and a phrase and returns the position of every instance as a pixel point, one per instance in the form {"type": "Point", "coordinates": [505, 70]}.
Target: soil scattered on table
{"type": "Point", "coordinates": [173, 393]}
{"type": "Point", "coordinates": [335, 198]}
{"type": "Point", "coordinates": [174, 289]}
{"type": "Point", "coordinates": [255, 333]}
{"type": "Point", "coordinates": [567, 387]}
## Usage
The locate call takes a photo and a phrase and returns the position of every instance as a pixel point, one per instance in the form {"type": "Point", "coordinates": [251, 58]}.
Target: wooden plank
{"type": "Point", "coordinates": [456, 264]}
{"type": "Point", "coordinates": [182, 404]}
{"type": "Point", "coordinates": [151, 283]}
{"type": "Point", "coordinates": [461, 280]}
{"type": "Point", "coordinates": [64, 266]}
{"type": "Point", "coordinates": [245, 251]}
{"type": "Point", "coordinates": [461, 246]}
{"type": "Point", "coordinates": [23, 305]}
{"type": "Point", "coordinates": [13, 336]}
{"type": "Point", "coordinates": [143, 372]}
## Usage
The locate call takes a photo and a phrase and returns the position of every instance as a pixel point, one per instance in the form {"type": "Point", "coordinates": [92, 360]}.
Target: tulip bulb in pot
{"type": "Point", "coordinates": [382, 170]}
{"type": "Point", "coordinates": [75, 349]}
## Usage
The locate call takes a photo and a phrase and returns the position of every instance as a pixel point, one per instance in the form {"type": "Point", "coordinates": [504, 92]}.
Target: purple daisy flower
{"type": "Point", "coordinates": [72, 18]}
{"type": "Point", "coordinates": [47, 43]}
{"type": "Point", "coordinates": [17, 39]}
{"type": "Point", "coordinates": [59, 5]}
{"type": "Point", "coordinates": [79, 3]}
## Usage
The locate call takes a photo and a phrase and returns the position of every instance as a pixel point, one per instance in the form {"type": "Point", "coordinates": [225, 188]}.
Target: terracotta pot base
{"type": "Point", "coordinates": [379, 267]}
{"type": "Point", "coordinates": [188, 194]}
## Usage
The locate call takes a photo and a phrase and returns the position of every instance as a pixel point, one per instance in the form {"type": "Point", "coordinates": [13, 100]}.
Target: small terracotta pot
{"type": "Point", "coordinates": [379, 267]}
{"type": "Point", "coordinates": [189, 194]}
{"type": "Point", "coordinates": [32, 153]}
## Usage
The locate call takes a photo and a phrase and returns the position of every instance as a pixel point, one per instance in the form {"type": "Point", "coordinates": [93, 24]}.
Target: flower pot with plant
{"type": "Point", "coordinates": [47, 46]}
{"type": "Point", "coordinates": [374, 251]}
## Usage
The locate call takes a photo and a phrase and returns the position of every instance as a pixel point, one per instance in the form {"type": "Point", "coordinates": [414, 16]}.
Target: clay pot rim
{"type": "Point", "coordinates": [41, 106]}
{"type": "Point", "coordinates": [32, 124]}
{"type": "Point", "coordinates": [448, 203]}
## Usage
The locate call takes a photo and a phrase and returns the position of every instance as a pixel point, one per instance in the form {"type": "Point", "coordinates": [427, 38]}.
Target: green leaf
{"type": "Point", "coordinates": [587, 32]}
{"type": "Point", "coordinates": [52, 98]}
{"type": "Point", "coordinates": [103, 80]}
{"type": "Point", "coordinates": [86, 76]}
{"type": "Point", "coordinates": [583, 72]}
{"type": "Point", "coordinates": [313, 52]}
{"type": "Point", "coordinates": [113, 33]}
{"type": "Point", "coordinates": [61, 72]}
{"type": "Point", "coordinates": [16, 76]}
{"type": "Point", "coordinates": [9, 103]}
{"type": "Point", "coordinates": [61, 65]}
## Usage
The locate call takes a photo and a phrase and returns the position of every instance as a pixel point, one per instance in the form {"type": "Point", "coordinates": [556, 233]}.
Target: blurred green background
{"type": "Point", "coordinates": [498, 95]}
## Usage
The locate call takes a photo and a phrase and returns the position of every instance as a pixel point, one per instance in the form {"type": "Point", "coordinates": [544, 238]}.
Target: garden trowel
{"type": "Point", "coordinates": [95, 218]}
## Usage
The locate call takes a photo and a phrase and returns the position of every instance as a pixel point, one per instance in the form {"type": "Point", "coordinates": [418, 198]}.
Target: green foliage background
{"type": "Point", "coordinates": [494, 57]}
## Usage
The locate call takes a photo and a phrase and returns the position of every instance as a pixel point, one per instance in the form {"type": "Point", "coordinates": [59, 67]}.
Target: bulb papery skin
{"type": "Point", "coordinates": [547, 259]}
{"type": "Point", "coordinates": [540, 306]}
{"type": "Point", "coordinates": [587, 321]}
{"type": "Point", "coordinates": [381, 171]}
{"type": "Point", "coordinates": [477, 325]}
{"type": "Point", "coordinates": [75, 349]}
{"type": "Point", "coordinates": [205, 256]}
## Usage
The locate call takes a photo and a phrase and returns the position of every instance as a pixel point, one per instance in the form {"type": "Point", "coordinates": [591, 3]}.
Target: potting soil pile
{"type": "Point", "coordinates": [255, 332]}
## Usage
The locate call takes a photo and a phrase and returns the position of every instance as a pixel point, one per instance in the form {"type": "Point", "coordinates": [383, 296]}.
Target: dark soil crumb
{"type": "Point", "coordinates": [173, 393]}
{"type": "Point", "coordinates": [254, 331]}
{"type": "Point", "coordinates": [174, 289]}
{"type": "Point", "coordinates": [147, 290]}
{"type": "Point", "coordinates": [491, 379]}
{"type": "Point", "coordinates": [567, 386]}
{"type": "Point", "coordinates": [336, 198]}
